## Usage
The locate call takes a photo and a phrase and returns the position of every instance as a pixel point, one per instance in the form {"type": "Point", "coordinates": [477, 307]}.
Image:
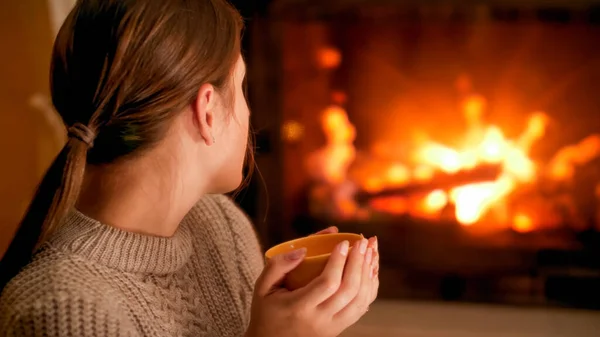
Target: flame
{"type": "Point", "coordinates": [522, 223]}
{"type": "Point", "coordinates": [435, 201]}
{"type": "Point", "coordinates": [562, 166]}
{"type": "Point", "coordinates": [483, 144]}
{"type": "Point", "coordinates": [332, 161]}
{"type": "Point", "coordinates": [423, 173]}
{"type": "Point", "coordinates": [398, 175]}
{"type": "Point", "coordinates": [441, 157]}
{"type": "Point", "coordinates": [536, 128]}
{"type": "Point", "coordinates": [472, 201]}
{"type": "Point", "coordinates": [373, 184]}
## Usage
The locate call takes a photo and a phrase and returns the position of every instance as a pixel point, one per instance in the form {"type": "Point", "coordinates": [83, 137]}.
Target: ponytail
{"type": "Point", "coordinates": [55, 196]}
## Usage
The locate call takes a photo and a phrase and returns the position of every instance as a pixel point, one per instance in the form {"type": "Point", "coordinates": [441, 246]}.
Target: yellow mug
{"type": "Point", "coordinates": [318, 249]}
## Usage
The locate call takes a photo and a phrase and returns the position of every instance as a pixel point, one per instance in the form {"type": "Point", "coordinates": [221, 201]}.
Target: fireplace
{"type": "Point", "coordinates": [466, 137]}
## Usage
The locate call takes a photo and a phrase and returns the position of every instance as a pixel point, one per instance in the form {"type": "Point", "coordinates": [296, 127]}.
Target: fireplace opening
{"type": "Point", "coordinates": [467, 138]}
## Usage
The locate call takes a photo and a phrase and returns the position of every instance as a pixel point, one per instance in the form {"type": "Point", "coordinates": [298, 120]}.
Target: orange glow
{"type": "Point", "coordinates": [522, 223]}
{"type": "Point", "coordinates": [423, 173]}
{"type": "Point", "coordinates": [339, 97]}
{"type": "Point", "coordinates": [292, 131]}
{"type": "Point", "coordinates": [435, 201]}
{"type": "Point", "coordinates": [562, 166]}
{"type": "Point", "coordinates": [536, 128]}
{"type": "Point", "coordinates": [392, 205]}
{"type": "Point", "coordinates": [331, 162]}
{"type": "Point", "coordinates": [473, 108]}
{"type": "Point", "coordinates": [398, 175]}
{"type": "Point", "coordinates": [373, 184]}
{"type": "Point", "coordinates": [329, 57]}
{"type": "Point", "coordinates": [439, 156]}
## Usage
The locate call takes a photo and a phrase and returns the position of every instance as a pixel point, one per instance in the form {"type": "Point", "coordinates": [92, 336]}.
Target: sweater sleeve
{"type": "Point", "coordinates": [65, 315]}
{"type": "Point", "coordinates": [251, 261]}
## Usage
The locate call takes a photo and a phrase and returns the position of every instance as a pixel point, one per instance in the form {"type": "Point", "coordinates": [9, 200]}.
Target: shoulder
{"type": "Point", "coordinates": [220, 217]}
{"type": "Point", "coordinates": [55, 288]}
{"type": "Point", "coordinates": [217, 210]}
{"type": "Point", "coordinates": [218, 207]}
{"type": "Point", "coordinates": [50, 271]}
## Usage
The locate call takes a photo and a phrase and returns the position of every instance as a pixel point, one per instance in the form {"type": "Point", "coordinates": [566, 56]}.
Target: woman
{"type": "Point", "coordinates": [132, 237]}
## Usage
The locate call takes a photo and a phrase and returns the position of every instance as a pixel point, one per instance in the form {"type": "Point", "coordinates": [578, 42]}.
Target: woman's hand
{"type": "Point", "coordinates": [325, 307]}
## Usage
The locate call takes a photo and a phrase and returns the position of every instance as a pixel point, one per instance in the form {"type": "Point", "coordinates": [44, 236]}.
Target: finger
{"type": "Point", "coordinates": [375, 276]}
{"type": "Point", "coordinates": [351, 282]}
{"type": "Point", "coordinates": [374, 289]}
{"type": "Point", "coordinates": [276, 269]}
{"type": "Point", "coordinates": [375, 272]}
{"type": "Point", "coordinates": [326, 284]}
{"type": "Point", "coordinates": [373, 243]}
{"type": "Point", "coordinates": [329, 230]}
{"type": "Point", "coordinates": [352, 312]}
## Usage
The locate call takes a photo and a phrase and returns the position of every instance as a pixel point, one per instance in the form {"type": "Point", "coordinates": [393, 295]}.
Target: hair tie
{"type": "Point", "coordinates": [82, 133]}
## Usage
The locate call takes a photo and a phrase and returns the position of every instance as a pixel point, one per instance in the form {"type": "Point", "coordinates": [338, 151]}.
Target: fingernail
{"type": "Point", "coordinates": [363, 245]}
{"type": "Point", "coordinates": [344, 247]}
{"type": "Point", "coordinates": [369, 256]}
{"type": "Point", "coordinates": [295, 255]}
{"type": "Point", "coordinates": [376, 244]}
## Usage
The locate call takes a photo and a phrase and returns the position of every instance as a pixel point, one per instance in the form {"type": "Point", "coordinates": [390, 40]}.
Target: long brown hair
{"type": "Point", "coordinates": [123, 69]}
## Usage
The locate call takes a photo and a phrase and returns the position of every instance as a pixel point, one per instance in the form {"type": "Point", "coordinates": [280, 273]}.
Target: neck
{"type": "Point", "coordinates": [134, 198]}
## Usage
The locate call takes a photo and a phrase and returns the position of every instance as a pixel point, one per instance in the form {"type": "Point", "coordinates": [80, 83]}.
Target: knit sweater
{"type": "Point", "coordinates": [91, 279]}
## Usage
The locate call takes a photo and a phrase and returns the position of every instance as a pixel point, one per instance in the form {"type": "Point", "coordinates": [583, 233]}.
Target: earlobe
{"type": "Point", "coordinates": [203, 109]}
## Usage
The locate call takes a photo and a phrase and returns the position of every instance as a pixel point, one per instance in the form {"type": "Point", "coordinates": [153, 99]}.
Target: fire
{"type": "Point", "coordinates": [522, 223]}
{"type": "Point", "coordinates": [436, 201]}
{"type": "Point", "coordinates": [562, 166]}
{"type": "Point", "coordinates": [423, 173]}
{"type": "Point", "coordinates": [483, 144]}
{"type": "Point", "coordinates": [398, 175]}
{"type": "Point", "coordinates": [472, 201]}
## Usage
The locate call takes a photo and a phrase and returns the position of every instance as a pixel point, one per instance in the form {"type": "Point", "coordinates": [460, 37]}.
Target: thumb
{"type": "Point", "coordinates": [276, 269]}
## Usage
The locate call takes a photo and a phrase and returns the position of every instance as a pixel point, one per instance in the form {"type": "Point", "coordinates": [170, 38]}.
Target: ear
{"type": "Point", "coordinates": [204, 112]}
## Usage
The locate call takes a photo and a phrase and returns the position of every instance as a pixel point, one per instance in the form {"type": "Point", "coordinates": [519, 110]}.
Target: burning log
{"type": "Point", "coordinates": [483, 173]}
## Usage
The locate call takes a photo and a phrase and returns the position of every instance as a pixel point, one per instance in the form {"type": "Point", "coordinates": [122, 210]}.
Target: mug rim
{"type": "Point", "coordinates": [312, 237]}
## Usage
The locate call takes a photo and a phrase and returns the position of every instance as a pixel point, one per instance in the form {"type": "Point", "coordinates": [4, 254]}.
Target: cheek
{"type": "Point", "coordinates": [243, 116]}
{"type": "Point", "coordinates": [244, 134]}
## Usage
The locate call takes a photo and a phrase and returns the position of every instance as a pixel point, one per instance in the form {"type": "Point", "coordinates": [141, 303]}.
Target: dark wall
{"type": "Point", "coordinates": [250, 11]}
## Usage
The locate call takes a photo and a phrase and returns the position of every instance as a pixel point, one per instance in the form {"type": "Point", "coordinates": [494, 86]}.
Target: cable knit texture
{"type": "Point", "coordinates": [90, 279]}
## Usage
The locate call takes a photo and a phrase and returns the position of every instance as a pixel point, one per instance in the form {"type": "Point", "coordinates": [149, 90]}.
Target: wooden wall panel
{"type": "Point", "coordinates": [26, 40]}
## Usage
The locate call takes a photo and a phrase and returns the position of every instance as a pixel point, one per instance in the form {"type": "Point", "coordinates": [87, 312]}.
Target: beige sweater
{"type": "Point", "coordinates": [90, 279]}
